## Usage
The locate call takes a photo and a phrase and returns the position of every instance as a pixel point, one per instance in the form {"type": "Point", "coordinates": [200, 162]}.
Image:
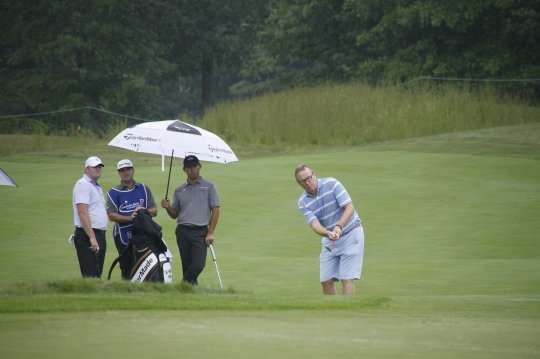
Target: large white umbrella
{"type": "Point", "coordinates": [175, 138]}
{"type": "Point", "coordinates": [5, 180]}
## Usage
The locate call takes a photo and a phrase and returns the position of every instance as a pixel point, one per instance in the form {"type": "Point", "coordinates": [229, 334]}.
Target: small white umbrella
{"type": "Point", "coordinates": [5, 180]}
{"type": "Point", "coordinates": [174, 138]}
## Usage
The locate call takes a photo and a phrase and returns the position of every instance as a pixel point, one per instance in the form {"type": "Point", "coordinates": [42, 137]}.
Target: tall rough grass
{"type": "Point", "coordinates": [39, 142]}
{"type": "Point", "coordinates": [327, 115]}
{"type": "Point", "coordinates": [357, 113]}
{"type": "Point", "coordinates": [17, 143]}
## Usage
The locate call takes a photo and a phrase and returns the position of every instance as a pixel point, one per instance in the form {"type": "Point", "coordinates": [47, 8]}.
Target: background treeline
{"type": "Point", "coordinates": [157, 59]}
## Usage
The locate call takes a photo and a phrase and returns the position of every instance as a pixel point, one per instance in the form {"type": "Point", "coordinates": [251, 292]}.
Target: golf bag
{"type": "Point", "coordinates": [147, 252]}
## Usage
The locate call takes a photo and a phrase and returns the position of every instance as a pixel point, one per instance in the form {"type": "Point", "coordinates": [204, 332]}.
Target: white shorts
{"type": "Point", "coordinates": [343, 258]}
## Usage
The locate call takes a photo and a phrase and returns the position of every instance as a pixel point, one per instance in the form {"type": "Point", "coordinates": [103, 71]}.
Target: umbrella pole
{"type": "Point", "coordinates": [169, 180]}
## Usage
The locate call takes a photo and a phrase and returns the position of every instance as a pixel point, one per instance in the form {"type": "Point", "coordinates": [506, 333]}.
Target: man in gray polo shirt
{"type": "Point", "coordinates": [196, 208]}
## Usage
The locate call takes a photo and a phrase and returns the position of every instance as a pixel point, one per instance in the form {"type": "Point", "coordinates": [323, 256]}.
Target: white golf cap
{"type": "Point", "coordinates": [124, 163]}
{"type": "Point", "coordinates": [93, 162]}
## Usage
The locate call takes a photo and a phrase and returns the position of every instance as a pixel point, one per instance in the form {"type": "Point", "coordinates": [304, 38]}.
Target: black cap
{"type": "Point", "coordinates": [191, 161]}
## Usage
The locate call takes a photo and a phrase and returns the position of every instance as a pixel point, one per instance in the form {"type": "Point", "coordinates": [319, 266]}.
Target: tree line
{"type": "Point", "coordinates": [159, 58]}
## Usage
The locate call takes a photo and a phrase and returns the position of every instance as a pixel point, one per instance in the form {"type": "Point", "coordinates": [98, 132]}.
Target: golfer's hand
{"type": "Point", "coordinates": [94, 246]}
{"type": "Point", "coordinates": [338, 232]}
{"type": "Point", "coordinates": [335, 234]}
{"type": "Point", "coordinates": [209, 239]}
{"type": "Point", "coordinates": [165, 203]}
{"type": "Point", "coordinates": [135, 212]}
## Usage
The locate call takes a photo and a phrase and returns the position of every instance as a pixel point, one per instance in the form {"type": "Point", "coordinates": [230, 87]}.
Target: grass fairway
{"type": "Point", "coordinates": [451, 267]}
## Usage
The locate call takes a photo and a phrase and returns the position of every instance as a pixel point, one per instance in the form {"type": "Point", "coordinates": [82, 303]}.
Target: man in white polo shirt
{"type": "Point", "coordinates": [90, 219]}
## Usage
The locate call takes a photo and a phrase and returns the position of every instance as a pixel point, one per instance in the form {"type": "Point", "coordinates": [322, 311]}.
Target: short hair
{"type": "Point", "coordinates": [301, 167]}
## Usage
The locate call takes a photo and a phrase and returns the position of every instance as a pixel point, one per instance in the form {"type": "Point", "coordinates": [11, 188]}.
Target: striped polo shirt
{"type": "Point", "coordinates": [327, 205]}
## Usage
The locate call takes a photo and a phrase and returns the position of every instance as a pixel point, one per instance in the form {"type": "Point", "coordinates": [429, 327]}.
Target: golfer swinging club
{"type": "Point", "coordinates": [328, 209]}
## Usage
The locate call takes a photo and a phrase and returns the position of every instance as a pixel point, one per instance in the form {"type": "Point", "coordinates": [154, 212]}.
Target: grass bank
{"type": "Point", "coordinates": [359, 114]}
{"type": "Point", "coordinates": [315, 118]}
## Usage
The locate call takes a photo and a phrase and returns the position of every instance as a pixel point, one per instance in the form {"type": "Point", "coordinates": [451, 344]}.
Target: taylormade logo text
{"type": "Point", "coordinates": [145, 267]}
{"type": "Point", "coordinates": [222, 150]}
{"type": "Point", "coordinates": [129, 136]}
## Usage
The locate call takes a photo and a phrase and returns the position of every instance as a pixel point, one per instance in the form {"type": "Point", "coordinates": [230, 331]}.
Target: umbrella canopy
{"type": "Point", "coordinates": [5, 180]}
{"type": "Point", "coordinates": [174, 137]}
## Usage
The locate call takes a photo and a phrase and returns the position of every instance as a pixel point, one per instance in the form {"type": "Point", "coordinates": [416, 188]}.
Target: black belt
{"type": "Point", "coordinates": [192, 226]}
{"type": "Point", "coordinates": [100, 231]}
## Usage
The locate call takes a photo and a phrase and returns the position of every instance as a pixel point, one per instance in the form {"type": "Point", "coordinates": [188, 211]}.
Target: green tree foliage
{"type": "Point", "coordinates": [62, 54]}
{"type": "Point", "coordinates": [315, 39]}
{"type": "Point", "coordinates": [403, 39]}
{"type": "Point", "coordinates": [474, 39]}
{"type": "Point", "coordinates": [215, 34]}
{"type": "Point", "coordinates": [159, 58]}
{"type": "Point", "coordinates": [103, 53]}
{"type": "Point", "coordinates": [137, 57]}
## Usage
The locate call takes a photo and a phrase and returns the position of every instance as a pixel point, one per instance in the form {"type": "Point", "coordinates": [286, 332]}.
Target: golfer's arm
{"type": "Point", "coordinates": [117, 217]}
{"type": "Point", "coordinates": [172, 212]}
{"type": "Point", "coordinates": [152, 211]}
{"type": "Point", "coordinates": [84, 217]}
{"type": "Point", "coordinates": [213, 220]}
{"type": "Point", "coordinates": [346, 216]}
{"type": "Point", "coordinates": [318, 228]}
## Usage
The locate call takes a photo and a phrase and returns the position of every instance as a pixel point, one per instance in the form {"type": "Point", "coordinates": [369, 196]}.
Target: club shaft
{"type": "Point", "coordinates": [215, 263]}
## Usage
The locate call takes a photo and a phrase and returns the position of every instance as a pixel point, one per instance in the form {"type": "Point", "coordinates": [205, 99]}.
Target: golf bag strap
{"type": "Point", "coordinates": [114, 263]}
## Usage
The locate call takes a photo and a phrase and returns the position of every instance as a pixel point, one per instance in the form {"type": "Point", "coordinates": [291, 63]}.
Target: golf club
{"type": "Point", "coordinates": [215, 263]}
{"type": "Point", "coordinates": [97, 264]}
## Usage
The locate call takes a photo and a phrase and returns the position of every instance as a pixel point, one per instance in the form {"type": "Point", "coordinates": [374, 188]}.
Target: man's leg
{"type": "Point", "coordinates": [351, 260]}
{"type": "Point", "coordinates": [329, 287]}
{"type": "Point", "coordinates": [329, 269]}
{"type": "Point", "coordinates": [198, 251]}
{"type": "Point", "coordinates": [100, 255]}
{"type": "Point", "coordinates": [183, 247]}
{"type": "Point", "coordinates": [88, 261]}
{"type": "Point", "coordinates": [348, 286]}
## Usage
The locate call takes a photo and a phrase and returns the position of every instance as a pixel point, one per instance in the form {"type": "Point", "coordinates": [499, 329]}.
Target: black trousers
{"type": "Point", "coordinates": [91, 263]}
{"type": "Point", "coordinates": [193, 251]}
